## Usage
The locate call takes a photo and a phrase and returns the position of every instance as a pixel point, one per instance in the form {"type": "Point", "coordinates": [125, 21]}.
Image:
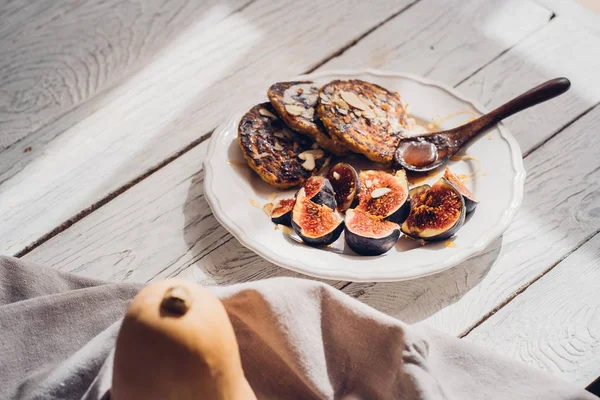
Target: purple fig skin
{"type": "Point", "coordinates": [325, 195]}
{"type": "Point", "coordinates": [300, 214]}
{"type": "Point", "coordinates": [450, 231]}
{"type": "Point", "coordinates": [344, 198]}
{"type": "Point", "coordinates": [369, 246]}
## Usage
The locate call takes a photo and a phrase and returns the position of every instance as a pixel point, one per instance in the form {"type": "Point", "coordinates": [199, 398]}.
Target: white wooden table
{"type": "Point", "coordinates": [106, 109]}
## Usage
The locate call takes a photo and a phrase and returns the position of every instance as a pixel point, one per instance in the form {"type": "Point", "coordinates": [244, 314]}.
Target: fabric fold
{"type": "Point", "coordinates": [298, 339]}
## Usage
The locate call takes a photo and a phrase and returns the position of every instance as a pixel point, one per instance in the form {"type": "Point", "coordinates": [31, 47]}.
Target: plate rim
{"type": "Point", "coordinates": [340, 274]}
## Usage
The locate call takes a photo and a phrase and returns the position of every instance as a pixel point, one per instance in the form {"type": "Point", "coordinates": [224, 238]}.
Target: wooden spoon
{"type": "Point", "coordinates": [431, 150]}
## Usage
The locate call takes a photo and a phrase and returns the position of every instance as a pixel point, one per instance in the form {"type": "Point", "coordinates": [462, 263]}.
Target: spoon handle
{"type": "Point", "coordinates": [432, 149]}
{"type": "Point", "coordinates": [546, 91]}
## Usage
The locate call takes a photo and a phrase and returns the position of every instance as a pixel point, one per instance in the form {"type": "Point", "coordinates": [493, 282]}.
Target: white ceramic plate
{"type": "Point", "coordinates": [234, 192]}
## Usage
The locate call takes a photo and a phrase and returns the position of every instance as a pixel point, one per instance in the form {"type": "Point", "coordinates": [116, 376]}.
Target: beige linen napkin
{"type": "Point", "coordinates": [298, 339]}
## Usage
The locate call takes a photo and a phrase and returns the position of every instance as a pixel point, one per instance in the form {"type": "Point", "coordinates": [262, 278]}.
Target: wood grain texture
{"type": "Point", "coordinates": [559, 213]}
{"type": "Point", "coordinates": [445, 40]}
{"type": "Point", "coordinates": [196, 80]}
{"type": "Point", "coordinates": [555, 323]}
{"type": "Point", "coordinates": [73, 246]}
{"type": "Point", "coordinates": [158, 229]}
{"type": "Point", "coordinates": [561, 48]}
{"type": "Point", "coordinates": [55, 55]}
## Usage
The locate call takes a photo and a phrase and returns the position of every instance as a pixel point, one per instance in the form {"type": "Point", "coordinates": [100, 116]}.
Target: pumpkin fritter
{"type": "Point", "coordinates": [280, 156]}
{"type": "Point", "coordinates": [366, 117]}
{"type": "Point", "coordinates": [295, 103]}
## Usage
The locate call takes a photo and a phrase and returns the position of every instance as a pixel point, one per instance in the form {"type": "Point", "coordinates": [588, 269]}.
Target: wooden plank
{"type": "Point", "coordinates": [137, 250]}
{"type": "Point", "coordinates": [445, 40]}
{"type": "Point", "coordinates": [585, 12]}
{"type": "Point", "coordinates": [558, 214]}
{"type": "Point", "coordinates": [555, 323]}
{"type": "Point", "coordinates": [15, 13]}
{"type": "Point", "coordinates": [196, 80]}
{"type": "Point", "coordinates": [158, 229]}
{"type": "Point", "coordinates": [561, 48]}
{"type": "Point", "coordinates": [55, 55]}
{"type": "Point", "coordinates": [167, 216]}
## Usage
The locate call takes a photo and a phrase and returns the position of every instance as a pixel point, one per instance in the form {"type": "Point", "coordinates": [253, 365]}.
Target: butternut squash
{"type": "Point", "coordinates": [177, 342]}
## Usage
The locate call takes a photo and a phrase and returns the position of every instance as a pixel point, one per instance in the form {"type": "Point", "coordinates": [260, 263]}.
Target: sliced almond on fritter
{"type": "Point", "coordinates": [353, 100]}
{"type": "Point", "coordinates": [295, 103]}
{"type": "Point", "coordinates": [315, 154]}
{"type": "Point", "coordinates": [266, 113]}
{"type": "Point", "coordinates": [373, 123]}
{"type": "Point", "coordinates": [308, 113]}
{"type": "Point", "coordinates": [309, 164]}
{"type": "Point", "coordinates": [340, 103]}
{"type": "Point", "coordinates": [272, 149]}
{"type": "Point", "coordinates": [294, 109]}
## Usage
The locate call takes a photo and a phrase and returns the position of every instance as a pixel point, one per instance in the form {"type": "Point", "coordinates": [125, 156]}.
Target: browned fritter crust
{"type": "Point", "coordinates": [295, 102]}
{"type": "Point", "coordinates": [272, 150]}
{"type": "Point", "coordinates": [365, 116]}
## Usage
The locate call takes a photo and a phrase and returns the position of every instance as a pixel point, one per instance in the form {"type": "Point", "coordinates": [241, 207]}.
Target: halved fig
{"type": "Point", "coordinates": [316, 224]}
{"type": "Point", "coordinates": [344, 179]}
{"type": "Point", "coordinates": [470, 200]}
{"type": "Point", "coordinates": [384, 195]}
{"type": "Point", "coordinates": [282, 212]}
{"type": "Point", "coordinates": [369, 235]}
{"type": "Point", "coordinates": [436, 214]}
{"type": "Point", "coordinates": [416, 192]}
{"type": "Point", "coordinates": [319, 190]}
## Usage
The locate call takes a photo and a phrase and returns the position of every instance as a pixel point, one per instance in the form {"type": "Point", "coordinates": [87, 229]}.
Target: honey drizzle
{"type": "Point", "coordinates": [414, 180]}
{"type": "Point", "coordinates": [253, 203]}
{"type": "Point", "coordinates": [238, 164]}
{"type": "Point", "coordinates": [473, 116]}
{"type": "Point", "coordinates": [286, 230]}
{"type": "Point", "coordinates": [429, 126]}
{"type": "Point", "coordinates": [434, 125]}
{"type": "Point", "coordinates": [467, 178]}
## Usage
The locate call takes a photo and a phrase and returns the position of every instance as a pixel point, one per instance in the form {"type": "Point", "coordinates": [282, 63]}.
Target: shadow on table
{"type": "Point", "coordinates": [415, 300]}
{"type": "Point", "coordinates": [226, 261]}
{"type": "Point", "coordinates": [218, 258]}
